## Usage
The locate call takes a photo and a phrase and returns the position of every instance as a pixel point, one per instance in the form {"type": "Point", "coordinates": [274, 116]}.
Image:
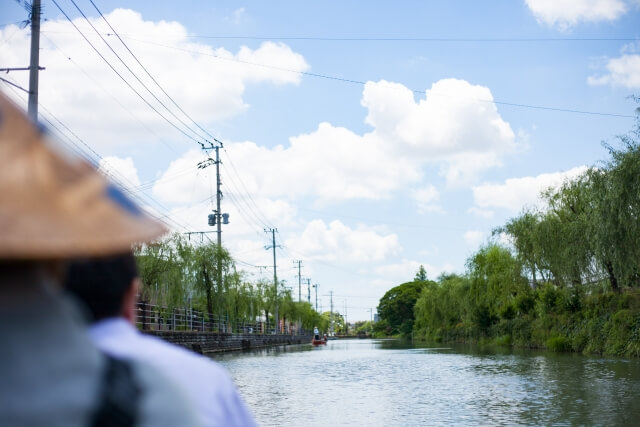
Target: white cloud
{"type": "Point", "coordinates": [209, 83]}
{"type": "Point", "coordinates": [405, 271]}
{"type": "Point", "coordinates": [473, 238]}
{"type": "Point", "coordinates": [425, 198]}
{"type": "Point", "coordinates": [433, 250]}
{"type": "Point", "coordinates": [517, 193]}
{"type": "Point", "coordinates": [338, 242]}
{"type": "Point", "coordinates": [122, 170]}
{"type": "Point", "coordinates": [453, 129]}
{"type": "Point", "coordinates": [623, 71]}
{"type": "Point", "coordinates": [238, 16]}
{"type": "Point", "coordinates": [455, 116]}
{"type": "Point", "coordinates": [564, 14]}
{"type": "Point", "coordinates": [483, 213]}
{"type": "Point", "coordinates": [334, 163]}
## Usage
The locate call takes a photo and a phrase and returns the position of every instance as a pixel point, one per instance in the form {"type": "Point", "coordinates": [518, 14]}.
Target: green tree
{"type": "Point", "coordinates": [616, 229]}
{"type": "Point", "coordinates": [496, 277]}
{"type": "Point", "coordinates": [421, 274]}
{"type": "Point", "coordinates": [569, 216]}
{"type": "Point", "coordinates": [525, 234]}
{"type": "Point", "coordinates": [444, 306]}
{"type": "Point", "coordinates": [396, 306]}
{"type": "Point", "coordinates": [162, 272]}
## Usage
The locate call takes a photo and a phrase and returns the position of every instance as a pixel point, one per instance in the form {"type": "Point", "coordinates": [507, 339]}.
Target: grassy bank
{"type": "Point", "coordinates": [559, 320]}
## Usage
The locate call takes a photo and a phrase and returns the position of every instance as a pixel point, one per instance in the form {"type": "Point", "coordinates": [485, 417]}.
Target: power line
{"type": "Point", "coordinates": [131, 71]}
{"type": "Point", "coordinates": [96, 162]}
{"type": "Point", "coordinates": [362, 83]}
{"type": "Point", "coordinates": [256, 213]}
{"type": "Point", "coordinates": [150, 76]}
{"type": "Point", "coordinates": [421, 92]}
{"type": "Point", "coordinates": [244, 213]}
{"type": "Point", "coordinates": [263, 218]}
{"type": "Point", "coordinates": [122, 78]}
{"type": "Point", "coordinates": [404, 39]}
{"type": "Point", "coordinates": [110, 94]}
{"type": "Point", "coordinates": [428, 39]}
{"type": "Point", "coordinates": [14, 85]}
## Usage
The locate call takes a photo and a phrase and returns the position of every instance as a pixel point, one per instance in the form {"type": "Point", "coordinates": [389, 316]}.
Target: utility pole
{"type": "Point", "coordinates": [218, 197]}
{"type": "Point", "coordinates": [275, 275]}
{"type": "Point", "coordinates": [299, 279]}
{"type": "Point", "coordinates": [34, 66]}
{"type": "Point", "coordinates": [316, 288]}
{"type": "Point", "coordinates": [331, 312]}
{"type": "Point", "coordinates": [309, 291]}
{"type": "Point", "coordinates": [217, 218]}
{"type": "Point", "coordinates": [218, 222]}
{"type": "Point", "coordinates": [346, 324]}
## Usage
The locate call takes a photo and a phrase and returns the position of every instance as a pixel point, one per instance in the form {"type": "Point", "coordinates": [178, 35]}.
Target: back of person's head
{"type": "Point", "coordinates": [101, 283]}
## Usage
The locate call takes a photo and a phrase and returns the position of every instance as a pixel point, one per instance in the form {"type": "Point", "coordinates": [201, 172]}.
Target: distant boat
{"type": "Point", "coordinates": [316, 342]}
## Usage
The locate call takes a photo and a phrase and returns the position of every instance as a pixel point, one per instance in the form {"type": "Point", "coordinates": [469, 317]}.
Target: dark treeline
{"type": "Point", "coordinates": [176, 272]}
{"type": "Point", "coordinates": [568, 280]}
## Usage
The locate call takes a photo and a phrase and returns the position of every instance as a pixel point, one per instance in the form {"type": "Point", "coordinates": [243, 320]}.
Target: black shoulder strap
{"type": "Point", "coordinates": [119, 396]}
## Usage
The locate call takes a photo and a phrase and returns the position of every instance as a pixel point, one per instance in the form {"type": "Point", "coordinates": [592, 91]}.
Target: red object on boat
{"type": "Point", "coordinates": [318, 342]}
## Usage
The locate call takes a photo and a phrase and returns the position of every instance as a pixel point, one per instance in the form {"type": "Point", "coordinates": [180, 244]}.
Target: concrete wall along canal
{"type": "Point", "coordinates": [211, 342]}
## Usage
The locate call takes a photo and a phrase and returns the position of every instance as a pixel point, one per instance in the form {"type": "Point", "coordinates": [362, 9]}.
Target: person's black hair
{"type": "Point", "coordinates": [101, 283]}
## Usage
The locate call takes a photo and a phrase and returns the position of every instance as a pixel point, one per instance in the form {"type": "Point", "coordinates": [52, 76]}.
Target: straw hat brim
{"type": "Point", "coordinates": [54, 205]}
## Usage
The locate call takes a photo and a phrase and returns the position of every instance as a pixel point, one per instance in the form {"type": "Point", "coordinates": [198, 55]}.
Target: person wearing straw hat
{"type": "Point", "coordinates": [54, 207]}
{"type": "Point", "coordinates": [108, 286]}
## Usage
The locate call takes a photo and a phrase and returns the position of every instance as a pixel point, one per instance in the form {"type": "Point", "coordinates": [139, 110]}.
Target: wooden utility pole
{"type": "Point", "coordinates": [34, 66]}
{"type": "Point", "coordinates": [218, 197]}
{"type": "Point", "coordinates": [299, 262]}
{"type": "Point", "coordinates": [316, 288]}
{"type": "Point", "coordinates": [331, 312]}
{"type": "Point", "coordinates": [275, 275]}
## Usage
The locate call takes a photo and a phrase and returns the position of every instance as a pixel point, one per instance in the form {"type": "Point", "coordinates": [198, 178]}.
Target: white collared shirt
{"type": "Point", "coordinates": [207, 383]}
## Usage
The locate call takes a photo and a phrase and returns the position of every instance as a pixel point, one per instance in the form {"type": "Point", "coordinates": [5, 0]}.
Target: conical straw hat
{"type": "Point", "coordinates": [53, 205]}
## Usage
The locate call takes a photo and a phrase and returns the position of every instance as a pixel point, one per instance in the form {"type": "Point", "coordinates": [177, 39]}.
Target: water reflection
{"type": "Point", "coordinates": [388, 382]}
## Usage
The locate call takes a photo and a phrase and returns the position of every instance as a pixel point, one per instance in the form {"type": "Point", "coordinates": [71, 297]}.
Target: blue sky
{"type": "Point", "coordinates": [370, 154]}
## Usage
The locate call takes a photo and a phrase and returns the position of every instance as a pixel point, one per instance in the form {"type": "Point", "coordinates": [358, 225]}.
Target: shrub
{"type": "Point", "coordinates": [503, 341]}
{"type": "Point", "coordinates": [619, 328]}
{"type": "Point", "coordinates": [547, 298]}
{"type": "Point", "coordinates": [507, 312]}
{"type": "Point", "coordinates": [525, 302]}
{"type": "Point", "coordinates": [557, 344]}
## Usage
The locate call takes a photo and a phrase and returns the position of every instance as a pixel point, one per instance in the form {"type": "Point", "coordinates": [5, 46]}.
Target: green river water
{"type": "Point", "coordinates": [391, 383]}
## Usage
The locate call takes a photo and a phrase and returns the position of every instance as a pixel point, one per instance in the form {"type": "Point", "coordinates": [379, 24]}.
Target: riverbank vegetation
{"type": "Point", "coordinates": [566, 276]}
{"type": "Point", "coordinates": [176, 272]}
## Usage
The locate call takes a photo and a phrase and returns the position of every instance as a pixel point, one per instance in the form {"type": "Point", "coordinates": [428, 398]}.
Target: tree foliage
{"type": "Point", "coordinates": [421, 274]}
{"type": "Point", "coordinates": [177, 273]}
{"type": "Point", "coordinates": [396, 306]}
{"type": "Point", "coordinates": [567, 278]}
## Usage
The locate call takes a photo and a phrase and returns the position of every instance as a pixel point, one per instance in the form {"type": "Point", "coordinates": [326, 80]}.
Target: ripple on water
{"type": "Point", "coordinates": [366, 382]}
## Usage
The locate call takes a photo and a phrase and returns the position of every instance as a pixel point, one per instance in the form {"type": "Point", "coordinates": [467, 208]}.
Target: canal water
{"type": "Point", "coordinates": [389, 383]}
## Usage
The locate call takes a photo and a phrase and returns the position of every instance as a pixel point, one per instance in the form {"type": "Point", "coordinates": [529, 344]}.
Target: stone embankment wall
{"type": "Point", "coordinates": [211, 342]}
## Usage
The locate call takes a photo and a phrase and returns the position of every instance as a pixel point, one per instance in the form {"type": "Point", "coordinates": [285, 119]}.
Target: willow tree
{"type": "Point", "coordinates": [162, 268]}
{"type": "Point", "coordinates": [444, 306]}
{"type": "Point", "coordinates": [495, 280]}
{"type": "Point", "coordinates": [210, 264]}
{"type": "Point", "coordinates": [570, 208]}
{"type": "Point", "coordinates": [616, 233]}
{"type": "Point", "coordinates": [524, 231]}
